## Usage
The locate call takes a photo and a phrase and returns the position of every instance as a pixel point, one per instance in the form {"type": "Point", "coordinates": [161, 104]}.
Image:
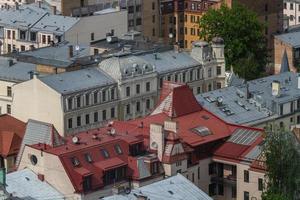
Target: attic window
{"type": "Point", "coordinates": [88, 157]}
{"type": "Point", "coordinates": [105, 153]}
{"type": "Point", "coordinates": [118, 149]}
{"type": "Point", "coordinates": [75, 161]}
{"type": "Point", "coordinates": [202, 131]}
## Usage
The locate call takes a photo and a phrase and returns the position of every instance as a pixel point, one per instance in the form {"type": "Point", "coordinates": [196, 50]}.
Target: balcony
{"type": "Point", "coordinates": [225, 179]}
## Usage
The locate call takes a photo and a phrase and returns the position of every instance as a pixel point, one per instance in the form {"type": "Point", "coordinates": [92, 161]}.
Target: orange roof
{"type": "Point", "coordinates": [11, 134]}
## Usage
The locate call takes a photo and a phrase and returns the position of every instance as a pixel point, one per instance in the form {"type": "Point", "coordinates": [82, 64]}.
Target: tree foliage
{"type": "Point", "coordinates": [282, 154]}
{"type": "Point", "coordinates": [243, 35]}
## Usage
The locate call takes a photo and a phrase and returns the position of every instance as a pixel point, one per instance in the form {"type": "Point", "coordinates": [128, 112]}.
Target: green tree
{"type": "Point", "coordinates": [282, 154]}
{"type": "Point", "coordinates": [245, 43]}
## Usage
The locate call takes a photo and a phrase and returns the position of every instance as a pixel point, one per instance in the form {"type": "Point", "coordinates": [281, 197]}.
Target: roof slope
{"type": "Point", "coordinates": [175, 187]}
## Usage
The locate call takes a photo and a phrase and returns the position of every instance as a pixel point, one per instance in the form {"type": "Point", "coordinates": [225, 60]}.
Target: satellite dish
{"type": "Point", "coordinates": [77, 48]}
{"type": "Point", "coordinates": [108, 39]}
{"type": "Point", "coordinates": [220, 99]}
{"type": "Point", "coordinates": [75, 140]}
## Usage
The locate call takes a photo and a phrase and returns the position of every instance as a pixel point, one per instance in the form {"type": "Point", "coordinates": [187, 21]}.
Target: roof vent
{"type": "Point", "coordinates": [75, 140]}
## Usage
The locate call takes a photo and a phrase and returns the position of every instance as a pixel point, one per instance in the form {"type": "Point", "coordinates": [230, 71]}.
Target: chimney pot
{"type": "Point", "coordinates": [71, 54]}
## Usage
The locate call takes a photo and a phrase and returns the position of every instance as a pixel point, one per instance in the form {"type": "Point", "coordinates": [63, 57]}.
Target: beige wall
{"type": "Point", "coordinates": [34, 100]}
{"type": "Point", "coordinates": [99, 25]}
{"type": "Point", "coordinates": [4, 99]}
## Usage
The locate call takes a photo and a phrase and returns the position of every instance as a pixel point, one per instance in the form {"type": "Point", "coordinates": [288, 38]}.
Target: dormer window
{"type": "Point", "coordinates": [88, 157]}
{"type": "Point", "coordinates": [75, 161]}
{"type": "Point", "coordinates": [105, 153]}
{"type": "Point", "coordinates": [118, 149]}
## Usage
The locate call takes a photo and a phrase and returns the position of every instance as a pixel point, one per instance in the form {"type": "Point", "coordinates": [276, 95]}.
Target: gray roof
{"type": "Point", "coordinates": [18, 72]}
{"type": "Point", "coordinates": [161, 62]}
{"type": "Point", "coordinates": [237, 114]}
{"type": "Point", "coordinates": [37, 19]}
{"type": "Point", "coordinates": [79, 80]}
{"type": "Point", "coordinates": [235, 80]}
{"type": "Point", "coordinates": [175, 187]}
{"type": "Point", "coordinates": [57, 55]}
{"type": "Point", "coordinates": [261, 106]}
{"type": "Point", "coordinates": [25, 184]}
{"type": "Point", "coordinates": [292, 38]}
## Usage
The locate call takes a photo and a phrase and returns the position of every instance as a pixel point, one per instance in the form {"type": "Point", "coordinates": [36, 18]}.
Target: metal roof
{"type": "Point", "coordinates": [37, 19]}
{"type": "Point", "coordinates": [291, 38]}
{"type": "Point", "coordinates": [25, 184]}
{"type": "Point", "coordinates": [57, 55]}
{"type": "Point", "coordinates": [261, 106]}
{"type": "Point", "coordinates": [244, 136]}
{"type": "Point", "coordinates": [175, 187]}
{"type": "Point", "coordinates": [17, 72]}
{"type": "Point", "coordinates": [79, 80]}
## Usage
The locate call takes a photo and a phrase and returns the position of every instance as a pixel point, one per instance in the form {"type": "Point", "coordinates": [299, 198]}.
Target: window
{"type": "Point", "coordinates": [138, 106]}
{"type": "Point", "coordinates": [9, 93]}
{"type": "Point", "coordinates": [281, 109]}
{"type": "Point", "coordinates": [13, 34]}
{"type": "Point", "coordinates": [79, 121]}
{"type": "Point", "coordinates": [118, 149]}
{"type": "Point", "coordinates": [44, 39]}
{"type": "Point", "coordinates": [219, 70]}
{"type": "Point", "coordinates": [33, 36]}
{"type": "Point", "coordinates": [103, 114]}
{"type": "Point", "coordinates": [260, 184]}
{"type": "Point", "coordinates": [104, 153]}
{"type": "Point", "coordinates": [22, 48]}
{"type": "Point", "coordinates": [92, 36]}
{"type": "Point", "coordinates": [88, 157]}
{"type": "Point", "coordinates": [147, 86]}
{"type": "Point", "coordinates": [114, 175]}
{"type": "Point", "coordinates": [220, 189]}
{"type": "Point", "coordinates": [70, 103]}
{"type": "Point", "coordinates": [128, 91]}
{"type": "Point", "coordinates": [8, 34]}
{"type": "Point", "coordinates": [193, 177]}
{"type": "Point", "coordinates": [70, 123]}
{"type": "Point", "coordinates": [112, 94]}
{"type": "Point", "coordinates": [298, 119]}
{"type": "Point", "coordinates": [281, 124]}
{"type": "Point", "coordinates": [22, 35]}
{"type": "Point", "coordinates": [291, 6]}
{"type": "Point", "coordinates": [154, 168]}
{"type": "Point", "coordinates": [75, 161]}
{"type": "Point", "coordinates": [130, 9]}
{"type": "Point", "coordinates": [48, 39]}
{"type": "Point", "coordinates": [209, 74]}
{"type": "Point", "coordinates": [292, 106]}
{"type": "Point", "coordinates": [198, 173]}
{"type": "Point", "coordinates": [103, 95]}
{"type": "Point", "coordinates": [112, 112]}
{"type": "Point", "coordinates": [198, 90]}
{"type": "Point", "coordinates": [148, 104]}
{"type": "Point", "coordinates": [212, 189]}
{"type": "Point", "coordinates": [212, 168]}
{"type": "Point", "coordinates": [178, 163]}
{"type": "Point", "coordinates": [139, 21]}
{"type": "Point", "coordinates": [78, 101]}
{"type": "Point", "coordinates": [128, 109]}
{"type": "Point", "coordinates": [292, 119]}
{"type": "Point", "coordinates": [8, 109]}
{"type": "Point", "coordinates": [95, 97]}
{"type": "Point", "coordinates": [246, 176]}
{"type": "Point", "coordinates": [138, 8]}
{"type": "Point", "coordinates": [233, 192]}
{"type": "Point", "coordinates": [191, 75]}
{"type": "Point", "coordinates": [87, 119]}
{"type": "Point", "coordinates": [86, 184]}
{"type": "Point", "coordinates": [246, 195]}
{"type": "Point", "coordinates": [184, 77]}
{"type": "Point", "coordinates": [266, 7]}
{"type": "Point", "coordinates": [87, 99]}
{"type": "Point", "coordinates": [153, 32]}
{"type": "Point", "coordinates": [153, 5]}
{"type": "Point", "coordinates": [96, 117]}
{"type": "Point", "coordinates": [219, 85]}
{"type": "Point", "coordinates": [137, 89]}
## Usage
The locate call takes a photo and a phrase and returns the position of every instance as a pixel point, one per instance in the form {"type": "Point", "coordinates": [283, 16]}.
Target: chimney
{"type": "Point", "coordinates": [71, 51]}
{"type": "Point", "coordinates": [17, 5]}
{"type": "Point", "coordinates": [298, 81]}
{"type": "Point", "coordinates": [40, 3]}
{"type": "Point", "coordinates": [53, 10]}
{"type": "Point", "coordinates": [176, 47]}
{"type": "Point", "coordinates": [171, 126]}
{"type": "Point", "coordinates": [276, 88]}
{"type": "Point", "coordinates": [10, 62]}
{"type": "Point", "coordinates": [157, 139]}
{"type": "Point", "coordinates": [41, 177]}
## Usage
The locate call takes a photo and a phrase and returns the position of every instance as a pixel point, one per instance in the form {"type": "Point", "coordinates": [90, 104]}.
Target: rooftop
{"type": "Point", "coordinates": [57, 55]}
{"type": "Point", "coordinates": [232, 104]}
{"type": "Point", "coordinates": [84, 79]}
{"type": "Point", "coordinates": [291, 38]}
{"type": "Point", "coordinates": [24, 184]}
{"type": "Point", "coordinates": [11, 133]}
{"type": "Point", "coordinates": [15, 71]}
{"type": "Point", "coordinates": [175, 187]}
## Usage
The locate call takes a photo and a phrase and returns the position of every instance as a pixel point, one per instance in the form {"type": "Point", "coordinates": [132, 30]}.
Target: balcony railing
{"type": "Point", "coordinates": [229, 179]}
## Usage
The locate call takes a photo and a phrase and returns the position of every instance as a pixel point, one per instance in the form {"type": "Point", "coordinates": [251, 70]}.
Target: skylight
{"type": "Point", "coordinates": [118, 149]}
{"type": "Point", "coordinates": [202, 131]}
{"type": "Point", "coordinates": [75, 161]}
{"type": "Point", "coordinates": [88, 157]}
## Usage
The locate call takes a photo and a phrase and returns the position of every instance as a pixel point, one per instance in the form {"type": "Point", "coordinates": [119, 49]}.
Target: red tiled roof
{"type": "Point", "coordinates": [11, 134]}
{"type": "Point", "coordinates": [110, 163]}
